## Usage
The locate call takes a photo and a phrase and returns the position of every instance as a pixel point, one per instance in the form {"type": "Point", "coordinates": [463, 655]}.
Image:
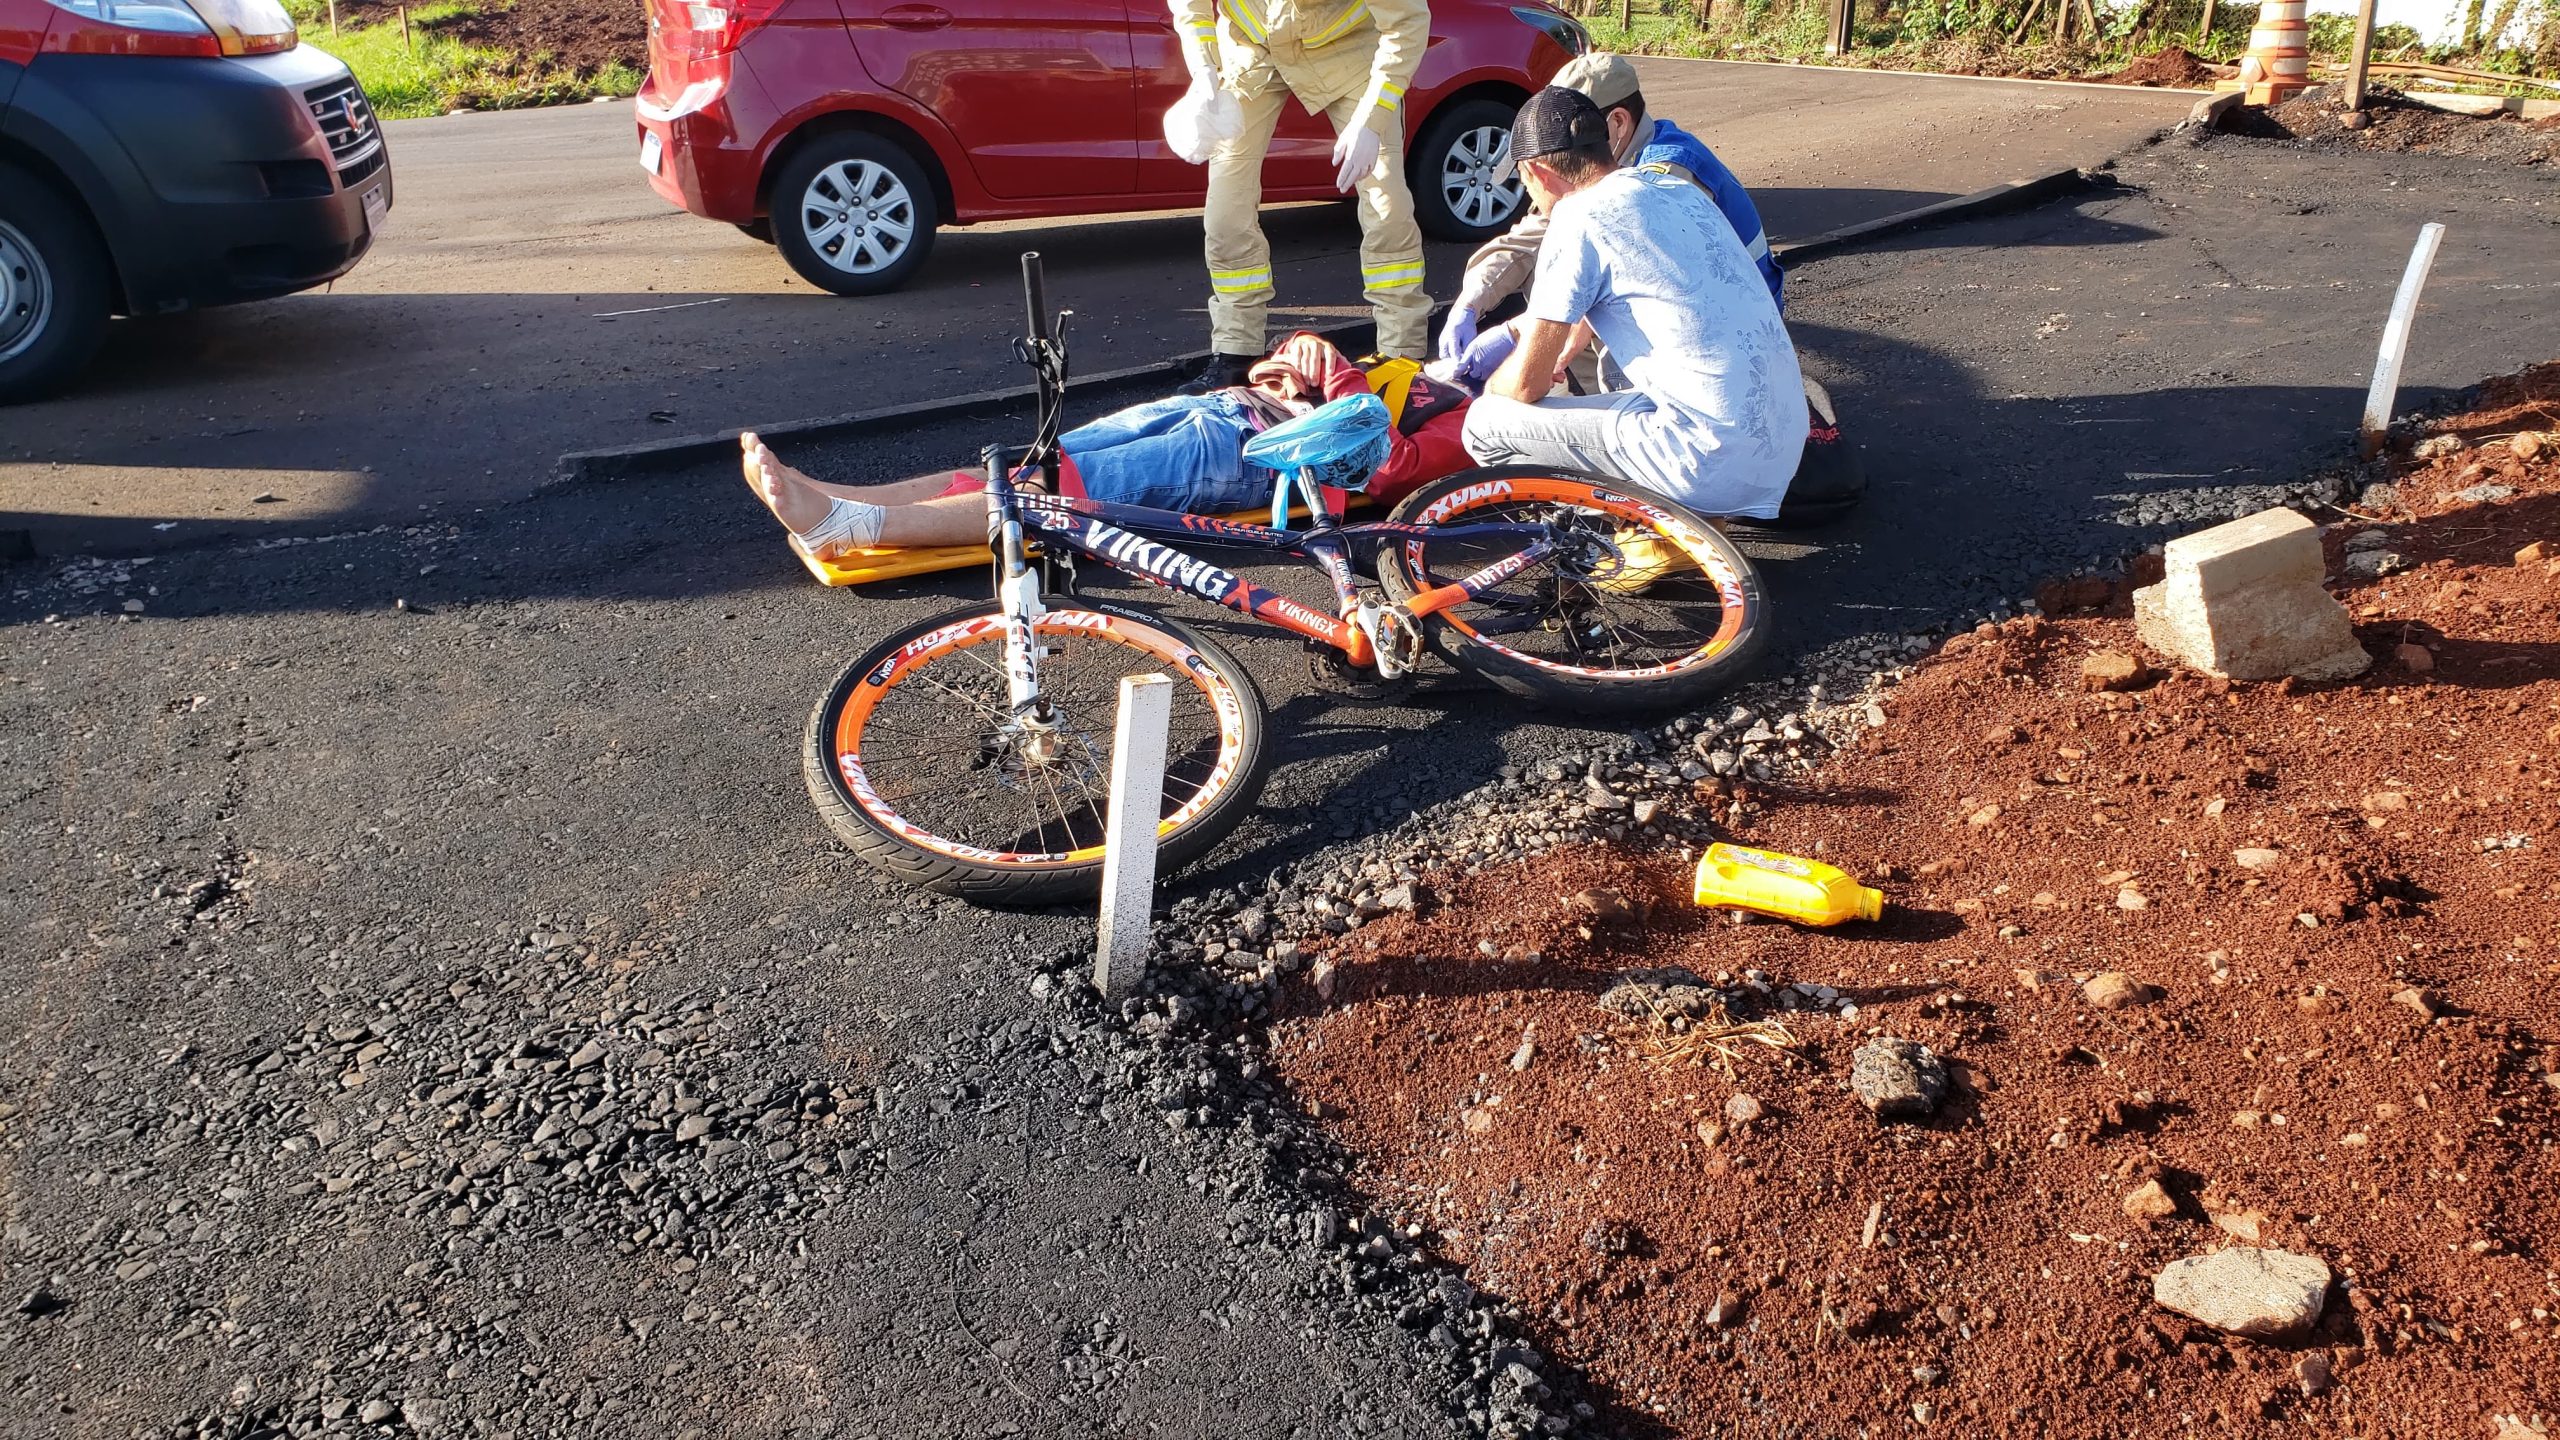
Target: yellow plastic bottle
{"type": "Point", "coordinates": [1735, 877]}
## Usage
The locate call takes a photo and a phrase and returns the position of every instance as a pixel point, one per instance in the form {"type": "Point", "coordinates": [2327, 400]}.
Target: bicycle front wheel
{"type": "Point", "coordinates": [1641, 606]}
{"type": "Point", "coordinates": [916, 760]}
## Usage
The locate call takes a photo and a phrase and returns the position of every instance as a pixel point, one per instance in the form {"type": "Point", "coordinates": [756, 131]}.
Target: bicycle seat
{"type": "Point", "coordinates": [1346, 439]}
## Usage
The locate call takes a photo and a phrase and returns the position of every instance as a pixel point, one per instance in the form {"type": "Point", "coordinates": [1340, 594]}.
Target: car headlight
{"type": "Point", "coordinates": [1566, 31]}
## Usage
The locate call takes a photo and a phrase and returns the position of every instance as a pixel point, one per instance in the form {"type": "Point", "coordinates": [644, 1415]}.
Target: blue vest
{"type": "Point", "coordinates": [1671, 145]}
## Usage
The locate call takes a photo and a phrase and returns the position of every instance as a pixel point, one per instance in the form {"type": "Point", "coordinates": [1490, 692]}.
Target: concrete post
{"type": "Point", "coordinates": [2385, 390]}
{"type": "Point", "coordinates": [2244, 600]}
{"type": "Point", "coordinates": [1129, 833]}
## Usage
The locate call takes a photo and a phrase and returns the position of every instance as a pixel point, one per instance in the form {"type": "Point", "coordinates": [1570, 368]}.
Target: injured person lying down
{"type": "Point", "coordinates": [1184, 453]}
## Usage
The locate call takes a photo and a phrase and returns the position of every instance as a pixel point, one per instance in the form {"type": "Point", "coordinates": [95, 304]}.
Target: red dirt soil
{"type": "Point", "coordinates": [1721, 1278]}
{"type": "Point", "coordinates": [578, 35]}
{"type": "Point", "coordinates": [2394, 123]}
{"type": "Point", "coordinates": [2173, 66]}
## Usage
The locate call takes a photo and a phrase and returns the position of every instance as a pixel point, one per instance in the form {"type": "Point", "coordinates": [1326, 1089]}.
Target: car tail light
{"type": "Point", "coordinates": [702, 29]}
{"type": "Point", "coordinates": [209, 28]}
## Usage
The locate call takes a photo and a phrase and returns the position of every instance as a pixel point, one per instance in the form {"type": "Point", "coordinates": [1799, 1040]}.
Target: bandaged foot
{"type": "Point", "coordinates": [823, 524]}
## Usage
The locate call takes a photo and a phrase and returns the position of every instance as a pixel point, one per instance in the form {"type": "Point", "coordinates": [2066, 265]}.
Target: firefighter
{"type": "Point", "coordinates": [1349, 61]}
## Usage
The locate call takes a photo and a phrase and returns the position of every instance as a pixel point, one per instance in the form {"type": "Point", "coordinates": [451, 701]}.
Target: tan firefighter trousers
{"type": "Point", "coordinates": [1240, 289]}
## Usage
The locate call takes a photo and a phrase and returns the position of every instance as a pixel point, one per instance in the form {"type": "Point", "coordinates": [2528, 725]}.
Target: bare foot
{"type": "Point", "coordinates": [794, 498]}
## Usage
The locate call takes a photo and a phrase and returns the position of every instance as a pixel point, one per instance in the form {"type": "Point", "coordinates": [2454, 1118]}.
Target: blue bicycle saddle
{"type": "Point", "coordinates": [1343, 441]}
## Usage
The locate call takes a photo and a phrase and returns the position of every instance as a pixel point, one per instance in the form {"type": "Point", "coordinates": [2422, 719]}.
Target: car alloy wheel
{"type": "Point", "coordinates": [1477, 180]}
{"type": "Point", "coordinates": [26, 292]}
{"type": "Point", "coordinates": [859, 217]}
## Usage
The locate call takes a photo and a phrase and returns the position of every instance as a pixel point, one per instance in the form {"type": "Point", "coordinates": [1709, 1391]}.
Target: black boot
{"type": "Point", "coordinates": [1222, 371]}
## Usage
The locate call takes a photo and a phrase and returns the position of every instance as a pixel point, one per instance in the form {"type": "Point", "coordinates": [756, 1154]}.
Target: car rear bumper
{"type": "Point", "coordinates": [708, 157]}
{"type": "Point", "coordinates": [212, 180]}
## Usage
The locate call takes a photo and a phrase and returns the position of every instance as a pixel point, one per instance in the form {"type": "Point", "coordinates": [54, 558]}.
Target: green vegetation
{"type": "Point", "coordinates": [2003, 37]}
{"type": "Point", "coordinates": [429, 71]}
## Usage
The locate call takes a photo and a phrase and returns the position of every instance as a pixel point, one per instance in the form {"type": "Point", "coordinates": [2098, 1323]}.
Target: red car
{"type": "Point", "coordinates": [847, 131]}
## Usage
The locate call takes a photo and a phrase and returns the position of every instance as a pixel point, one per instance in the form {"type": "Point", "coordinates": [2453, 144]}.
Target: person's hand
{"type": "Point", "coordinates": [1457, 332]}
{"type": "Point", "coordinates": [1486, 355]}
{"type": "Point", "coordinates": [1355, 154]}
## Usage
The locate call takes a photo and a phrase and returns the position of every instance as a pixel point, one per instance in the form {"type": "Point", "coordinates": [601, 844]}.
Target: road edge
{"type": "Point", "coordinates": [1991, 200]}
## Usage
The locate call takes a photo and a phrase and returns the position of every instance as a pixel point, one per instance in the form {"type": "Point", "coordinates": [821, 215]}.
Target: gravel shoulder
{"type": "Point", "coordinates": [321, 899]}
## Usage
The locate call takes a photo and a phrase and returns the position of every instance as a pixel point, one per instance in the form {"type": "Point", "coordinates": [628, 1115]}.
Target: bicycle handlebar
{"type": "Point", "coordinates": [1035, 297]}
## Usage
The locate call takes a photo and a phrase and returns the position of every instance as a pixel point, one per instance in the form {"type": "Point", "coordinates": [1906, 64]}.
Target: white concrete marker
{"type": "Point", "coordinates": [2395, 341]}
{"type": "Point", "coordinates": [1129, 834]}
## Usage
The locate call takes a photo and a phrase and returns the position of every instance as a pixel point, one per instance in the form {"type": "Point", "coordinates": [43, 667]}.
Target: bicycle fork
{"type": "Point", "coordinates": [1018, 596]}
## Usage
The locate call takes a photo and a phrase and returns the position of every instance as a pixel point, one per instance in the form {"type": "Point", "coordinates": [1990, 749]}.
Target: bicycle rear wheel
{"type": "Point", "coordinates": [916, 761]}
{"type": "Point", "coordinates": [1643, 606]}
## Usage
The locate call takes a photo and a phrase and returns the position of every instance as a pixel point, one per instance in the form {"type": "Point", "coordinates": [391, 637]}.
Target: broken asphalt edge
{"type": "Point", "coordinates": [659, 456]}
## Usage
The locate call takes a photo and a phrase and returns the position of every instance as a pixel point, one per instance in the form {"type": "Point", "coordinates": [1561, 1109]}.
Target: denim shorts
{"type": "Point", "coordinates": [1185, 453]}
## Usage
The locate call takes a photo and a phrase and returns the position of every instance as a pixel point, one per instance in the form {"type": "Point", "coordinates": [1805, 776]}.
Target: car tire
{"type": "Point", "coordinates": [761, 229]}
{"type": "Point", "coordinates": [844, 248]}
{"type": "Point", "coordinates": [55, 291]}
{"type": "Point", "coordinates": [1454, 159]}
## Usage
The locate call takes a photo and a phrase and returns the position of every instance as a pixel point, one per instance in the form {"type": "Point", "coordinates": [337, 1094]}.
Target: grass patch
{"type": "Point", "coordinates": [431, 72]}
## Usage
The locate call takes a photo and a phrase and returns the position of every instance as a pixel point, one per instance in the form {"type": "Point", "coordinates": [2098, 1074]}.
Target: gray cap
{"type": "Point", "coordinates": [1607, 79]}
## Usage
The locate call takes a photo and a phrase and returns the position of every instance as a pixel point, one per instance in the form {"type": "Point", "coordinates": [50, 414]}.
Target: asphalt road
{"type": "Point", "coordinates": [489, 331]}
{"type": "Point", "coordinates": [274, 821]}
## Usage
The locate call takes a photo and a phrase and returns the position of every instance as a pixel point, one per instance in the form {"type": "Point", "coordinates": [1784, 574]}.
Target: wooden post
{"type": "Point", "coordinates": [2385, 390]}
{"type": "Point", "coordinates": [1129, 833]}
{"type": "Point", "coordinates": [404, 31]}
{"type": "Point", "coordinates": [333, 17]}
{"type": "Point", "coordinates": [2360, 55]}
{"type": "Point", "coordinates": [1844, 17]}
{"type": "Point", "coordinates": [1627, 15]}
{"type": "Point", "coordinates": [2205, 29]}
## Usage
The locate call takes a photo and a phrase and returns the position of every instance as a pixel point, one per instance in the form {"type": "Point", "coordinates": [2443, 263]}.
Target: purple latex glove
{"type": "Point", "coordinates": [1457, 332]}
{"type": "Point", "coordinates": [1485, 355]}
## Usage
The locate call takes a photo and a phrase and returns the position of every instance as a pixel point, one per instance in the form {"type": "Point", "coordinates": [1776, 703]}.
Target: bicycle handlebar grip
{"type": "Point", "coordinates": [1035, 297]}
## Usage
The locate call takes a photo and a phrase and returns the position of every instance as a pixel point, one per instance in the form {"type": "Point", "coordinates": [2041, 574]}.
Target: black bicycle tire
{"type": "Point", "coordinates": [1586, 695]}
{"type": "Point", "coordinates": [1025, 886]}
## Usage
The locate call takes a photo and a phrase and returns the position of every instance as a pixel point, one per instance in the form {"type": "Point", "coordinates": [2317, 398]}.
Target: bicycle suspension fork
{"type": "Point", "coordinates": [1018, 595]}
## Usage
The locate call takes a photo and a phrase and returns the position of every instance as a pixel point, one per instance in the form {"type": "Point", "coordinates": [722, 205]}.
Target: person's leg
{"type": "Point", "coordinates": [1183, 454]}
{"type": "Point", "coordinates": [830, 524]}
{"type": "Point", "coordinates": [1390, 240]}
{"type": "Point", "coordinates": [1239, 257]}
{"type": "Point", "coordinates": [1567, 430]}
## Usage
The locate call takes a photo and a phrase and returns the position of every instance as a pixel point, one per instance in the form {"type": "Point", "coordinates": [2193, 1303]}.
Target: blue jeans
{"type": "Point", "coordinates": [1185, 453]}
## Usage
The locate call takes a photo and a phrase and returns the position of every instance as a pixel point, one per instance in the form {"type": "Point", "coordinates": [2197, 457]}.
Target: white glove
{"type": "Point", "coordinates": [1206, 117]}
{"type": "Point", "coordinates": [1355, 154]}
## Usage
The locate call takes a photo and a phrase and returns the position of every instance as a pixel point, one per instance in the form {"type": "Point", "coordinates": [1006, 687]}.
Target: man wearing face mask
{"type": "Point", "coordinates": [1347, 60]}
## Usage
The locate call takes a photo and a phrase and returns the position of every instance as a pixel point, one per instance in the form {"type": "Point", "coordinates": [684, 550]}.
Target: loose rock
{"type": "Point", "coordinates": [2260, 1294]}
{"type": "Point", "coordinates": [1898, 1079]}
{"type": "Point", "coordinates": [2114, 990]}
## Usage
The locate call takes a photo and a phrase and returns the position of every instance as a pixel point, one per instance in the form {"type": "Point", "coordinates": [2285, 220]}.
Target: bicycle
{"type": "Point", "coordinates": [970, 753]}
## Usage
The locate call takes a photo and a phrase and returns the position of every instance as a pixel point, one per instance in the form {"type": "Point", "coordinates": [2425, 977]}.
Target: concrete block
{"type": "Point", "coordinates": [2243, 600]}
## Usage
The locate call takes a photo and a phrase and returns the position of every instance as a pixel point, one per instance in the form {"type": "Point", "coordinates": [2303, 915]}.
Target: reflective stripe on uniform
{"type": "Point", "coordinates": [1229, 282]}
{"type": "Point", "coordinates": [1759, 246]}
{"type": "Point", "coordinates": [1358, 12]}
{"type": "Point", "coordinates": [1391, 277]}
{"type": "Point", "coordinates": [1390, 94]}
{"type": "Point", "coordinates": [1253, 27]}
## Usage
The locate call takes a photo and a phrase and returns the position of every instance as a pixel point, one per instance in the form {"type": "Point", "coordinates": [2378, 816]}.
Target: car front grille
{"type": "Point", "coordinates": [347, 122]}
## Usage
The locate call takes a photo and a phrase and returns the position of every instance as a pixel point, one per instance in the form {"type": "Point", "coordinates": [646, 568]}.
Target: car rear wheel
{"type": "Point", "coordinates": [853, 213]}
{"type": "Point", "coordinates": [53, 288]}
{"type": "Point", "coordinates": [1461, 186]}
